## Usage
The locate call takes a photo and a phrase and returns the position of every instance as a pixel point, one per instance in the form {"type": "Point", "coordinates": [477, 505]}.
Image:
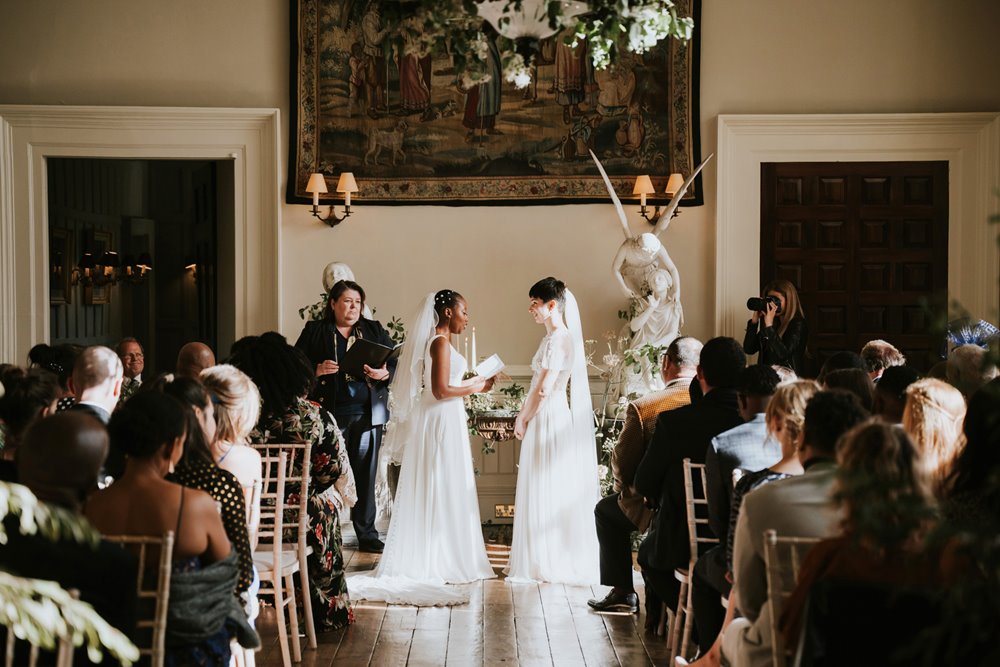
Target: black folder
{"type": "Point", "coordinates": [365, 351]}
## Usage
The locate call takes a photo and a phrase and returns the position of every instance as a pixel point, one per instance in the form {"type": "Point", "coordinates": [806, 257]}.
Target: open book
{"type": "Point", "coordinates": [489, 367]}
{"type": "Point", "coordinates": [368, 352]}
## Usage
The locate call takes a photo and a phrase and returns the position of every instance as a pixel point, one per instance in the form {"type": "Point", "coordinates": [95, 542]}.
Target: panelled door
{"type": "Point", "coordinates": [866, 244]}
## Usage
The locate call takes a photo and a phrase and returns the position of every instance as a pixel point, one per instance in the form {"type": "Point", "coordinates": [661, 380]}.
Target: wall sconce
{"type": "Point", "coordinates": [644, 186]}
{"type": "Point", "coordinates": [191, 265]}
{"type": "Point", "coordinates": [137, 272]}
{"type": "Point", "coordinates": [317, 186]}
{"type": "Point", "coordinates": [83, 272]}
{"type": "Point", "coordinates": [106, 269]}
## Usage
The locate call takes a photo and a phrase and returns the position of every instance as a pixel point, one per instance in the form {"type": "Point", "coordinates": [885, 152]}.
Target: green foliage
{"type": "Point", "coordinates": [37, 518]}
{"type": "Point", "coordinates": [397, 330]}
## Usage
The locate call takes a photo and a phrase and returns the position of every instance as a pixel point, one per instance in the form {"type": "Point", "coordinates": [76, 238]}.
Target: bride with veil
{"type": "Point", "coordinates": [435, 535]}
{"type": "Point", "coordinates": [555, 537]}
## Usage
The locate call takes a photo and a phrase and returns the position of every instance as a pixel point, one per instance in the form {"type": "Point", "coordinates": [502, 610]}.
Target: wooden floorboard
{"type": "Point", "coordinates": [503, 624]}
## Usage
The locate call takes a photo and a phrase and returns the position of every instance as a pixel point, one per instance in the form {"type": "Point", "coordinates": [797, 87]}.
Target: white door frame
{"type": "Point", "coordinates": [969, 142]}
{"type": "Point", "coordinates": [250, 279]}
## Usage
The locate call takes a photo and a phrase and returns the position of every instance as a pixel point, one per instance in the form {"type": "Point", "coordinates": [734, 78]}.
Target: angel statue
{"type": "Point", "coordinates": [649, 279]}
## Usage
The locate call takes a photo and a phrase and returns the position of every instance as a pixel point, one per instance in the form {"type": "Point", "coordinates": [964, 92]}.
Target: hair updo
{"type": "Point", "coordinates": [145, 423]}
{"type": "Point", "coordinates": [446, 298]}
{"type": "Point", "coordinates": [549, 289]}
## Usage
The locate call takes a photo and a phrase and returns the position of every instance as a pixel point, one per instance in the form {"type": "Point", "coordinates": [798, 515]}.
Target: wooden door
{"type": "Point", "coordinates": [866, 244]}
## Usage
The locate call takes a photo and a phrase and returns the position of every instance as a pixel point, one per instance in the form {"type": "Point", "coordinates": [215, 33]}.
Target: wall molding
{"type": "Point", "coordinates": [249, 138]}
{"type": "Point", "coordinates": [969, 142]}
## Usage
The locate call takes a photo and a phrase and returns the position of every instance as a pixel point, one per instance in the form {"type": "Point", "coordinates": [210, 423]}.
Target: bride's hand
{"type": "Point", "coordinates": [489, 383]}
{"type": "Point", "coordinates": [519, 427]}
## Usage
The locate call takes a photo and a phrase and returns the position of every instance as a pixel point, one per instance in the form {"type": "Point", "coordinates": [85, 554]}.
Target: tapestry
{"type": "Point", "coordinates": [413, 131]}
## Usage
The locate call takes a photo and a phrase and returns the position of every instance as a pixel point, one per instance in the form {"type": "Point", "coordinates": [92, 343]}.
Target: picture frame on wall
{"type": "Point", "coordinates": [61, 261]}
{"type": "Point", "coordinates": [413, 130]}
{"type": "Point", "coordinates": [94, 295]}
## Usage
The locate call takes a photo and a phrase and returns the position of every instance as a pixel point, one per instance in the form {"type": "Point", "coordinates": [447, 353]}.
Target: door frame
{"type": "Point", "coordinates": [969, 142]}
{"type": "Point", "coordinates": [250, 205]}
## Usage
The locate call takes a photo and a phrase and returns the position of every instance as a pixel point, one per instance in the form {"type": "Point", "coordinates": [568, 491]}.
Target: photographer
{"type": "Point", "coordinates": [777, 329]}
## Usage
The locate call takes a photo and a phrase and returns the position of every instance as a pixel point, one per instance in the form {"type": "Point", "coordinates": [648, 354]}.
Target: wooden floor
{"type": "Point", "coordinates": [503, 624]}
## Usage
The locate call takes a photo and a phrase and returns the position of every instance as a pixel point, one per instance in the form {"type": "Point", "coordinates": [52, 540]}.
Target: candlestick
{"type": "Point", "coordinates": [475, 358]}
{"type": "Point", "coordinates": [315, 199]}
{"type": "Point", "coordinates": [347, 198]}
{"type": "Point", "coordinates": [642, 199]}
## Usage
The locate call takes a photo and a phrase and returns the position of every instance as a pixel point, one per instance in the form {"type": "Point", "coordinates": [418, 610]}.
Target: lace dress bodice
{"type": "Point", "coordinates": [554, 354]}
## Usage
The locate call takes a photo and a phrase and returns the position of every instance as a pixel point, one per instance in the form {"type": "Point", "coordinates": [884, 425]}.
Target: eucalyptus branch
{"type": "Point", "coordinates": [38, 518]}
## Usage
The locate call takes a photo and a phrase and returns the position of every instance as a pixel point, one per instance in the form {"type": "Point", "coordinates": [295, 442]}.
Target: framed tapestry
{"type": "Point", "coordinates": [413, 133]}
{"type": "Point", "coordinates": [61, 263]}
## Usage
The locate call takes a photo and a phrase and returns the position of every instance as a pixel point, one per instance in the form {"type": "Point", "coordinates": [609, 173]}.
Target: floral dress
{"type": "Point", "coordinates": [307, 422]}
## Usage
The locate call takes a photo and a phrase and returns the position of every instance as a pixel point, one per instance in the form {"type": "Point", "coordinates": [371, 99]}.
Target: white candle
{"type": "Point", "coordinates": [467, 353]}
{"type": "Point", "coordinates": [475, 359]}
{"type": "Point", "coordinates": [347, 198]}
{"type": "Point", "coordinates": [315, 199]}
{"type": "Point", "coordinates": [642, 200]}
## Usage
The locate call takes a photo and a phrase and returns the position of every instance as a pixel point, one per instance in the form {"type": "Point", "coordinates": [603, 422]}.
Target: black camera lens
{"type": "Point", "coordinates": [756, 303]}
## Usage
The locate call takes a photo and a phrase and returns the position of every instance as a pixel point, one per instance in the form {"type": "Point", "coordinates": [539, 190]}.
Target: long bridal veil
{"type": "Point", "coordinates": [581, 406]}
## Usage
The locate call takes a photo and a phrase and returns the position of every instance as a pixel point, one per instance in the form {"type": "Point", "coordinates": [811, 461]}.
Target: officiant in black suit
{"type": "Point", "coordinates": [359, 404]}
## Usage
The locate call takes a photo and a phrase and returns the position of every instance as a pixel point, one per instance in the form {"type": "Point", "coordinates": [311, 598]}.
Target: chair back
{"type": "Point", "coordinates": [64, 647]}
{"type": "Point", "coordinates": [295, 522]}
{"type": "Point", "coordinates": [783, 557]}
{"type": "Point", "coordinates": [158, 594]}
{"type": "Point", "coordinates": [253, 511]}
{"type": "Point", "coordinates": [699, 531]}
{"type": "Point", "coordinates": [270, 529]}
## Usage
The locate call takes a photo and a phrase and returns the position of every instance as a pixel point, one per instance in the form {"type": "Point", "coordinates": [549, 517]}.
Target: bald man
{"type": "Point", "coordinates": [59, 460]}
{"type": "Point", "coordinates": [193, 359]}
{"type": "Point", "coordinates": [97, 382]}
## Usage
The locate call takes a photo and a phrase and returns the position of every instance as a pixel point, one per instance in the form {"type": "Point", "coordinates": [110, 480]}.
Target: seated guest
{"type": "Point", "coordinates": [785, 374]}
{"type": "Point", "coordinates": [784, 416]}
{"type": "Point", "coordinates": [878, 556]}
{"type": "Point", "coordinates": [838, 361]}
{"type": "Point", "coordinates": [58, 359]}
{"type": "Point", "coordinates": [890, 392]}
{"type": "Point", "coordinates": [193, 358]}
{"type": "Point", "coordinates": [933, 419]}
{"type": "Point", "coordinates": [59, 462]}
{"type": "Point", "coordinates": [29, 396]}
{"type": "Point", "coordinates": [285, 377]}
{"type": "Point", "coordinates": [973, 494]}
{"type": "Point", "coordinates": [197, 469]}
{"type": "Point", "coordinates": [745, 447]}
{"type": "Point", "coordinates": [795, 506]}
{"type": "Point", "coordinates": [133, 363]}
{"type": "Point", "coordinates": [684, 432]}
{"type": "Point", "coordinates": [969, 368]}
{"type": "Point", "coordinates": [97, 382]}
{"type": "Point", "coordinates": [237, 409]}
{"type": "Point", "coordinates": [203, 614]}
{"type": "Point", "coordinates": [623, 512]}
{"type": "Point", "coordinates": [855, 381]}
{"type": "Point", "coordinates": [880, 355]}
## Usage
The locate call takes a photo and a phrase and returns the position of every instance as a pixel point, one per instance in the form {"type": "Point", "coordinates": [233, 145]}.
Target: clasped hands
{"type": "Point", "coordinates": [329, 367]}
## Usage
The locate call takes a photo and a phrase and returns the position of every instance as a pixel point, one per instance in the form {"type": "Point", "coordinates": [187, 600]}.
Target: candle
{"type": "Point", "coordinates": [467, 353]}
{"type": "Point", "coordinates": [642, 200]}
{"type": "Point", "coordinates": [315, 199]}
{"type": "Point", "coordinates": [347, 198]}
{"type": "Point", "coordinates": [475, 359]}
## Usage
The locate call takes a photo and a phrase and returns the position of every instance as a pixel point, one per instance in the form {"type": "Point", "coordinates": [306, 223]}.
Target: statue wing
{"type": "Point", "coordinates": [614, 196]}
{"type": "Point", "coordinates": [668, 213]}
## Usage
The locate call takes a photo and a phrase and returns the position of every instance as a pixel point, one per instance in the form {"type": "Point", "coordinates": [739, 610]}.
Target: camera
{"type": "Point", "coordinates": [759, 303]}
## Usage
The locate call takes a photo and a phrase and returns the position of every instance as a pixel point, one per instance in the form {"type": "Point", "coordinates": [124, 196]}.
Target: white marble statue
{"type": "Point", "coordinates": [650, 280]}
{"type": "Point", "coordinates": [337, 271]}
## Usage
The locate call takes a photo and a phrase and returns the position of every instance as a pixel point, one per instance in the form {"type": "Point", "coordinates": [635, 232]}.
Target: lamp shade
{"type": "Point", "coordinates": [317, 183]}
{"type": "Point", "coordinates": [643, 186]}
{"type": "Point", "coordinates": [189, 262]}
{"type": "Point", "coordinates": [87, 261]}
{"type": "Point", "coordinates": [346, 183]}
{"type": "Point", "coordinates": [110, 258]}
{"type": "Point", "coordinates": [674, 184]}
{"type": "Point", "coordinates": [145, 261]}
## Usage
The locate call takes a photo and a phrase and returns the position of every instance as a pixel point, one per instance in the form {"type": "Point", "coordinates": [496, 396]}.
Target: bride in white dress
{"type": "Point", "coordinates": [435, 534]}
{"type": "Point", "coordinates": [555, 537]}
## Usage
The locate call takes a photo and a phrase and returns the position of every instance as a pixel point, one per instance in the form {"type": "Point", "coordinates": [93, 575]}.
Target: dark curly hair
{"type": "Point", "coordinates": [26, 394]}
{"type": "Point", "coordinates": [446, 298]}
{"type": "Point", "coordinates": [281, 372]}
{"type": "Point", "coordinates": [190, 394]}
{"type": "Point", "coordinates": [145, 423]}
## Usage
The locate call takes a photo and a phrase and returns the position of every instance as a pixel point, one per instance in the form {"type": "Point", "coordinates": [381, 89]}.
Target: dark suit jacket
{"type": "Point", "coordinates": [92, 410]}
{"type": "Point", "coordinates": [115, 463]}
{"type": "Point", "coordinates": [682, 433]}
{"type": "Point", "coordinates": [317, 341]}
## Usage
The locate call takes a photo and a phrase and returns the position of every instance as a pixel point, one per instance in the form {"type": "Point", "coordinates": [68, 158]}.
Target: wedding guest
{"type": "Point", "coordinates": [795, 506]}
{"type": "Point", "coordinates": [59, 462]}
{"type": "Point", "coordinates": [890, 392]}
{"type": "Point", "coordinates": [880, 355]}
{"type": "Point", "coordinates": [285, 377]}
{"type": "Point", "coordinates": [684, 432]}
{"type": "Point", "coordinates": [746, 447]}
{"type": "Point", "coordinates": [785, 374]}
{"type": "Point", "coordinates": [29, 396]}
{"type": "Point", "coordinates": [360, 405]}
{"type": "Point", "coordinates": [151, 428]}
{"type": "Point", "coordinates": [854, 380]}
{"type": "Point", "coordinates": [974, 494]}
{"type": "Point", "coordinates": [969, 368]}
{"type": "Point", "coordinates": [58, 359]}
{"type": "Point", "coordinates": [97, 383]}
{"type": "Point", "coordinates": [778, 333]}
{"type": "Point", "coordinates": [133, 358]}
{"type": "Point", "coordinates": [838, 361]}
{"type": "Point", "coordinates": [933, 419]}
{"type": "Point", "coordinates": [623, 512]}
{"type": "Point", "coordinates": [193, 358]}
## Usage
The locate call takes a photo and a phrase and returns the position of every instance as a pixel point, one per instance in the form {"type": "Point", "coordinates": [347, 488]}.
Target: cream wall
{"type": "Point", "coordinates": [769, 56]}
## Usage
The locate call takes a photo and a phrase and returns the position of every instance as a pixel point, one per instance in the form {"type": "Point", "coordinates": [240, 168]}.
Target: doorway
{"type": "Point", "coordinates": [866, 244]}
{"type": "Point", "coordinates": [133, 251]}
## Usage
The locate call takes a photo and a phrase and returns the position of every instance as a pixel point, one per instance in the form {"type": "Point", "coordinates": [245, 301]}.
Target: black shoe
{"type": "Point", "coordinates": [616, 602]}
{"type": "Point", "coordinates": [372, 546]}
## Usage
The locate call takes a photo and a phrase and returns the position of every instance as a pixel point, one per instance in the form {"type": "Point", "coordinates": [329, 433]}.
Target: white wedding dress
{"type": "Point", "coordinates": [435, 534]}
{"type": "Point", "coordinates": [555, 537]}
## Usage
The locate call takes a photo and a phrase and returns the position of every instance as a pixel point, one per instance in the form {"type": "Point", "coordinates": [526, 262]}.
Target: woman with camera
{"type": "Point", "coordinates": [777, 329]}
